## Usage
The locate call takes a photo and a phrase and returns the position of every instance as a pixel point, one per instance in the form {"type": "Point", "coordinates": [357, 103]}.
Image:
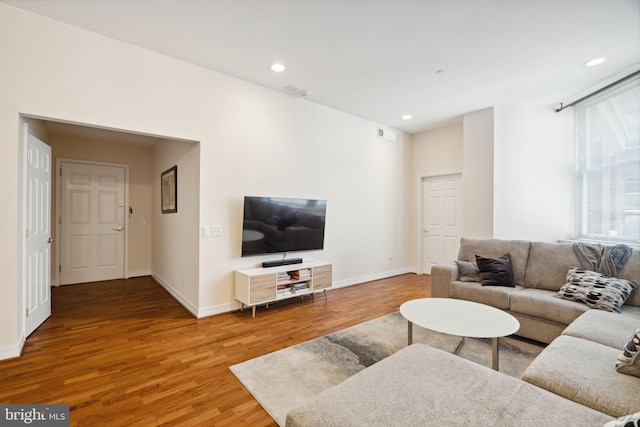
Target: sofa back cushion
{"type": "Point", "coordinates": [495, 248]}
{"type": "Point", "coordinates": [548, 265]}
{"type": "Point", "coordinates": [631, 271]}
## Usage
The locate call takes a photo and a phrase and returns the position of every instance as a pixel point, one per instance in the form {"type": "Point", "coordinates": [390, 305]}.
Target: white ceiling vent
{"type": "Point", "coordinates": [387, 134]}
{"type": "Point", "coordinates": [292, 90]}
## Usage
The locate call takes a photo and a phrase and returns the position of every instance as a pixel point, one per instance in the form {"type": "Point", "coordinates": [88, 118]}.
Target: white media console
{"type": "Point", "coordinates": [257, 286]}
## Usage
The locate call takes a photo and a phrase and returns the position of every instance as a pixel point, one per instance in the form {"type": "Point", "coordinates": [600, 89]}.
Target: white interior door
{"type": "Point", "coordinates": [442, 220]}
{"type": "Point", "coordinates": [92, 222]}
{"type": "Point", "coordinates": [38, 240]}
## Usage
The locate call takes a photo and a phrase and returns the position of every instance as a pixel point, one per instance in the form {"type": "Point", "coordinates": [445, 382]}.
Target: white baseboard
{"type": "Point", "coordinates": [371, 277]}
{"type": "Point", "coordinates": [12, 351]}
{"type": "Point", "coordinates": [217, 309]}
{"type": "Point", "coordinates": [132, 274]}
{"type": "Point", "coordinates": [231, 306]}
{"type": "Point", "coordinates": [193, 310]}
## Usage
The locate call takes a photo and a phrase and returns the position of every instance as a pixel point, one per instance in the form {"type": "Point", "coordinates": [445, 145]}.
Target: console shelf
{"type": "Point", "coordinates": [257, 286]}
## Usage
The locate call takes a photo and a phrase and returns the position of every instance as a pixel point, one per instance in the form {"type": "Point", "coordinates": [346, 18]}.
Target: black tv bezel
{"type": "Point", "coordinates": [285, 252]}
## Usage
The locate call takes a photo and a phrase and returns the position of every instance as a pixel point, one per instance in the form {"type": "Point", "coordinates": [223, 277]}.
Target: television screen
{"type": "Point", "coordinates": [275, 224]}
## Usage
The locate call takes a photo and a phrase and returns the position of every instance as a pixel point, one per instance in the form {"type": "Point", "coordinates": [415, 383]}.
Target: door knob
{"type": "Point", "coordinates": [426, 230]}
{"type": "Point", "coordinates": [51, 240]}
{"type": "Point", "coordinates": [120, 227]}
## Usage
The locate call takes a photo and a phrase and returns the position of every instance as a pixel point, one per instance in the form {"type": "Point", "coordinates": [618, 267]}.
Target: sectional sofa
{"type": "Point", "coordinates": [539, 271]}
{"type": "Point", "coordinates": [577, 379]}
{"type": "Point", "coordinates": [572, 382]}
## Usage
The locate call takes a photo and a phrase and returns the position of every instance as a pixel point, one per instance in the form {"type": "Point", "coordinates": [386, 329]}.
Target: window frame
{"type": "Point", "coordinates": [583, 170]}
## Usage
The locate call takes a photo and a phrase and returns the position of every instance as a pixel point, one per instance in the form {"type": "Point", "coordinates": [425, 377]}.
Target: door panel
{"type": "Point", "coordinates": [38, 241]}
{"type": "Point", "coordinates": [107, 250]}
{"type": "Point", "coordinates": [79, 247]}
{"type": "Point", "coordinates": [441, 221]}
{"type": "Point", "coordinates": [107, 207]}
{"type": "Point", "coordinates": [93, 214]}
{"type": "Point", "coordinates": [450, 209]}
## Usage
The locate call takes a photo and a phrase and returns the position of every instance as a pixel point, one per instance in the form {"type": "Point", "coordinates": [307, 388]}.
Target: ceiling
{"type": "Point", "coordinates": [381, 59]}
{"type": "Point", "coordinates": [98, 134]}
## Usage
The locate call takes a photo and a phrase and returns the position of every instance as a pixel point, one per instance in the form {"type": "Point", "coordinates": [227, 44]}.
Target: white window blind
{"type": "Point", "coordinates": [607, 165]}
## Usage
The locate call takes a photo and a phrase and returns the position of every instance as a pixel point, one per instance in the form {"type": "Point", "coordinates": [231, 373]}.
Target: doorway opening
{"type": "Point", "coordinates": [142, 157]}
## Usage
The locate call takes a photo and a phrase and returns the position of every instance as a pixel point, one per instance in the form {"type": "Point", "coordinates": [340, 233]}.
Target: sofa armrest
{"type": "Point", "coordinates": [441, 277]}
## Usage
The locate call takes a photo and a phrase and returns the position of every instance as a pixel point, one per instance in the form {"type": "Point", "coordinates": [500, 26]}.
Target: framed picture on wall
{"type": "Point", "coordinates": [169, 190]}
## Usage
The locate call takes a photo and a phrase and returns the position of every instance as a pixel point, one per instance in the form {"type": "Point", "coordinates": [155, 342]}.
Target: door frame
{"type": "Point", "coordinates": [57, 174]}
{"type": "Point", "coordinates": [420, 209]}
{"type": "Point", "coordinates": [23, 135]}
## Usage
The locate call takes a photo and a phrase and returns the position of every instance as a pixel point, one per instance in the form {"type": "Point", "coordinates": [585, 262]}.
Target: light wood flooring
{"type": "Point", "coordinates": [125, 353]}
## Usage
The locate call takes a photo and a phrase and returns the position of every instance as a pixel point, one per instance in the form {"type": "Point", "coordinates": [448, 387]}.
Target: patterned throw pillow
{"type": "Point", "coordinates": [629, 361]}
{"type": "Point", "coordinates": [596, 290]}
{"type": "Point", "coordinates": [632, 420]}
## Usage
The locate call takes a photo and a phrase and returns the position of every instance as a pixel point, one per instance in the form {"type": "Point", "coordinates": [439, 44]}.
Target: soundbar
{"type": "Point", "coordinates": [289, 261]}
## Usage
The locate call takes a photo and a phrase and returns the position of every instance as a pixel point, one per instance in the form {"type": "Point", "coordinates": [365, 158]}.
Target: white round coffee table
{"type": "Point", "coordinates": [461, 318]}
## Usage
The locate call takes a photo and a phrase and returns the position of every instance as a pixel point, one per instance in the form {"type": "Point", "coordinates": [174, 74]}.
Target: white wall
{"type": "Point", "coordinates": [477, 174]}
{"type": "Point", "coordinates": [282, 146]}
{"type": "Point", "coordinates": [252, 141]}
{"type": "Point", "coordinates": [517, 173]}
{"type": "Point", "coordinates": [533, 167]}
{"type": "Point", "coordinates": [433, 152]}
{"type": "Point", "coordinates": [516, 165]}
{"type": "Point", "coordinates": [437, 151]}
{"type": "Point", "coordinates": [175, 236]}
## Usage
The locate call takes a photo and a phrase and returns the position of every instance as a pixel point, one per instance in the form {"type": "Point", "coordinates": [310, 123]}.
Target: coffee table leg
{"type": "Point", "coordinates": [495, 353]}
{"type": "Point", "coordinates": [409, 333]}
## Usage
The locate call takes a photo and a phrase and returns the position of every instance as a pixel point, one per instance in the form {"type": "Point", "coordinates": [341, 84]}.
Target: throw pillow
{"type": "Point", "coordinates": [632, 420]}
{"type": "Point", "coordinates": [596, 290]}
{"type": "Point", "coordinates": [495, 271]}
{"type": "Point", "coordinates": [629, 361]}
{"type": "Point", "coordinates": [468, 271]}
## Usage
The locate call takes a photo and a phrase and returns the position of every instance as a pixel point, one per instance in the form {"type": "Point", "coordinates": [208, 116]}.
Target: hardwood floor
{"type": "Point", "coordinates": [125, 353]}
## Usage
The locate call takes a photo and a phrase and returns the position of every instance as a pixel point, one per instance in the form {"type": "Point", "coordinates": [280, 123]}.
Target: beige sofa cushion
{"type": "Point", "coordinates": [611, 329]}
{"type": "Point", "coordinates": [584, 371]}
{"type": "Point", "coordinates": [631, 310]}
{"type": "Point", "coordinates": [544, 304]}
{"type": "Point", "coordinates": [423, 386]}
{"type": "Point", "coordinates": [548, 265]}
{"type": "Point", "coordinates": [631, 271]}
{"type": "Point", "coordinates": [494, 248]}
{"type": "Point", "coordinates": [495, 296]}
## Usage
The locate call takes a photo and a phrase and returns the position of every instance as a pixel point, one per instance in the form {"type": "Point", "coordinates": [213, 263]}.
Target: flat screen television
{"type": "Point", "coordinates": [280, 225]}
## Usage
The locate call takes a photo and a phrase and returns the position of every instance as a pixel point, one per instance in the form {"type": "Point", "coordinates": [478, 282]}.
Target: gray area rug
{"type": "Point", "coordinates": [283, 379]}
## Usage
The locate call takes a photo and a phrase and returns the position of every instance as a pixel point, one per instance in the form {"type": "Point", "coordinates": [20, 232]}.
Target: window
{"type": "Point", "coordinates": [607, 165]}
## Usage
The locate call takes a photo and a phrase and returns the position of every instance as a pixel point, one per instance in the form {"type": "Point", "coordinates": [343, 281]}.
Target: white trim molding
{"type": "Point", "coordinates": [13, 351]}
{"type": "Point", "coordinates": [175, 294]}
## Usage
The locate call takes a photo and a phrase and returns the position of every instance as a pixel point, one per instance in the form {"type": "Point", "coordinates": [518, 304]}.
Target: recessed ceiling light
{"type": "Point", "coordinates": [595, 61]}
{"type": "Point", "coordinates": [406, 117]}
{"type": "Point", "coordinates": [278, 68]}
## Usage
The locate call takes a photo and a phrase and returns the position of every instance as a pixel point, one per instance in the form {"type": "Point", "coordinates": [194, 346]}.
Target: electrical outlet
{"type": "Point", "coordinates": [216, 230]}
